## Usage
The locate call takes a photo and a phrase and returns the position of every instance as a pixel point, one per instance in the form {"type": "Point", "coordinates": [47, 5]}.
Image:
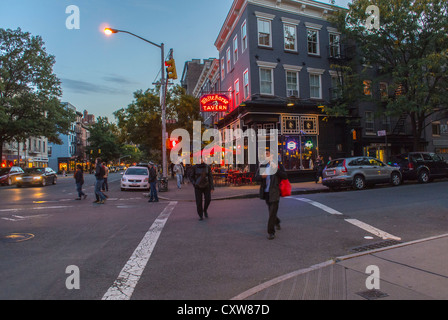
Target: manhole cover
{"type": "Point", "coordinates": [372, 294]}
{"type": "Point", "coordinates": [17, 237]}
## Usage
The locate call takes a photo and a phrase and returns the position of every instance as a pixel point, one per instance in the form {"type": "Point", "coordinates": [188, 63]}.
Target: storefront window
{"type": "Point", "coordinates": [299, 152]}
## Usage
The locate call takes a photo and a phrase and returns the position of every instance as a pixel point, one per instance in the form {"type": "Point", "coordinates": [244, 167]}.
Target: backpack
{"type": "Point", "coordinates": [203, 182]}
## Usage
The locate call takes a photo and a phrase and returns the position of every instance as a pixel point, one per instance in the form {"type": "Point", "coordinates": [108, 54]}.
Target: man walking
{"type": "Point", "coordinates": [99, 175]}
{"type": "Point", "coordinates": [202, 180]}
{"type": "Point", "coordinates": [153, 183]}
{"type": "Point", "coordinates": [179, 171]}
{"type": "Point", "coordinates": [79, 180]}
{"type": "Point", "coordinates": [105, 186]}
{"type": "Point", "coordinates": [270, 191]}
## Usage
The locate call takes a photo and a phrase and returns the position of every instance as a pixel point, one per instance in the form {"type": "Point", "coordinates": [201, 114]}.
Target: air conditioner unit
{"type": "Point", "coordinates": [292, 93]}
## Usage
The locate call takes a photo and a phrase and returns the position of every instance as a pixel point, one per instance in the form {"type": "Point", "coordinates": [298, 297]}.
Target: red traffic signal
{"type": "Point", "coordinates": [171, 69]}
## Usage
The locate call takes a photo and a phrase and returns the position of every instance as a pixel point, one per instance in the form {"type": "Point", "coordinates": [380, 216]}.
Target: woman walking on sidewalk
{"type": "Point", "coordinates": [79, 180]}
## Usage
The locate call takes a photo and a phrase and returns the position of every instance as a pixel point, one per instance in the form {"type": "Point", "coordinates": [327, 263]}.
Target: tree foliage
{"type": "Point", "coordinates": [29, 90]}
{"type": "Point", "coordinates": [410, 48]}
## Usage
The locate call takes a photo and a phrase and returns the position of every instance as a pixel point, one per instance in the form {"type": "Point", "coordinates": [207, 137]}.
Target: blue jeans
{"type": "Point", "coordinates": [79, 189]}
{"type": "Point", "coordinates": [153, 193]}
{"type": "Point", "coordinates": [179, 180]}
{"type": "Point", "coordinates": [98, 193]}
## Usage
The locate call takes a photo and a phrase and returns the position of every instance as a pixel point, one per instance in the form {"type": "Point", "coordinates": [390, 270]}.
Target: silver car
{"type": "Point", "coordinates": [358, 172]}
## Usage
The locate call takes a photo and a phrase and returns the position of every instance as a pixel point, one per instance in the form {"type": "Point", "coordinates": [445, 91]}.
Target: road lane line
{"type": "Point", "coordinates": [377, 232]}
{"type": "Point", "coordinates": [123, 287]}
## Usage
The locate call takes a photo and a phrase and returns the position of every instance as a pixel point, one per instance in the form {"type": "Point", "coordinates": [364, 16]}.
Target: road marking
{"type": "Point", "coordinates": [35, 208]}
{"type": "Point", "coordinates": [129, 276]}
{"type": "Point", "coordinates": [377, 232]}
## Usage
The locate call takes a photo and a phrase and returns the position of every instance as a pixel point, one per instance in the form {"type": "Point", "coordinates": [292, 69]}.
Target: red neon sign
{"type": "Point", "coordinates": [214, 103]}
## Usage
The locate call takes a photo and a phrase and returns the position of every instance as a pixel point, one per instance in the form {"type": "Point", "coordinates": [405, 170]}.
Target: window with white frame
{"type": "Point", "coordinates": [292, 84]}
{"type": "Point", "coordinates": [231, 99]}
{"type": "Point", "coordinates": [237, 92]}
{"type": "Point", "coordinates": [266, 81]}
{"type": "Point", "coordinates": [243, 36]}
{"type": "Point", "coordinates": [264, 32]}
{"type": "Point", "coordinates": [235, 49]}
{"type": "Point", "coordinates": [335, 46]}
{"type": "Point", "coordinates": [290, 37]}
{"type": "Point", "coordinates": [370, 122]}
{"type": "Point", "coordinates": [223, 72]}
{"type": "Point", "coordinates": [246, 84]}
{"type": "Point", "coordinates": [313, 41]}
{"type": "Point", "coordinates": [315, 86]}
{"type": "Point", "coordinates": [228, 59]}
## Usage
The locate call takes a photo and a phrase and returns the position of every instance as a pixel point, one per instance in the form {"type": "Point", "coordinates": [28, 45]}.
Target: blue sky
{"type": "Point", "coordinates": [100, 73]}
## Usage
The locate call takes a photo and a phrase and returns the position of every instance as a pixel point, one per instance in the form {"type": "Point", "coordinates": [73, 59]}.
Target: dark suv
{"type": "Point", "coordinates": [421, 166]}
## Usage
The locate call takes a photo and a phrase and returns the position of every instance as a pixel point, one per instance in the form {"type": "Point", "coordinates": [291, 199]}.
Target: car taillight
{"type": "Point", "coordinates": [410, 166]}
{"type": "Point", "coordinates": [344, 168]}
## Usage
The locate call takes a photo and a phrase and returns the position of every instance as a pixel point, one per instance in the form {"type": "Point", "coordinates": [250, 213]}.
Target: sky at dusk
{"type": "Point", "coordinates": [100, 73]}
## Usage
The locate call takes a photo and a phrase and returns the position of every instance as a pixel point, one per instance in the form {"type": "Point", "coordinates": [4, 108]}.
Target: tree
{"type": "Point", "coordinates": [140, 123]}
{"type": "Point", "coordinates": [410, 47]}
{"type": "Point", "coordinates": [103, 140]}
{"type": "Point", "coordinates": [29, 90]}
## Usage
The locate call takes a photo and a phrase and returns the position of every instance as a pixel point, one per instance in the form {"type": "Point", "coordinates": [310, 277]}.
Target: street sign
{"type": "Point", "coordinates": [382, 133]}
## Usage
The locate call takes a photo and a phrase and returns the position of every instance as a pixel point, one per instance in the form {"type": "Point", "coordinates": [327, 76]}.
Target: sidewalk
{"type": "Point", "coordinates": [186, 193]}
{"type": "Point", "coordinates": [410, 271]}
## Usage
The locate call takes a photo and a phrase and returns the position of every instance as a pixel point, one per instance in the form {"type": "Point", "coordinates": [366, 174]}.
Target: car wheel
{"type": "Point", "coordinates": [395, 179]}
{"type": "Point", "coordinates": [423, 176]}
{"type": "Point", "coordinates": [359, 182]}
{"type": "Point", "coordinates": [44, 182]}
{"type": "Point", "coordinates": [54, 180]}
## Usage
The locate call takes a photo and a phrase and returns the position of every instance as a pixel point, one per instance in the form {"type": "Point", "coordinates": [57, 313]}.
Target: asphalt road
{"type": "Point", "coordinates": [132, 249]}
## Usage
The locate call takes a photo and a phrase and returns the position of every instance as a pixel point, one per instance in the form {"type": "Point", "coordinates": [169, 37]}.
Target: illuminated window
{"type": "Point", "coordinates": [367, 87]}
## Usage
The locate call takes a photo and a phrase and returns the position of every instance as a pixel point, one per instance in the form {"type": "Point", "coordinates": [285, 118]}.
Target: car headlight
{"type": "Point", "coordinates": [123, 179]}
{"type": "Point", "coordinates": [37, 178]}
{"type": "Point", "coordinates": [19, 178]}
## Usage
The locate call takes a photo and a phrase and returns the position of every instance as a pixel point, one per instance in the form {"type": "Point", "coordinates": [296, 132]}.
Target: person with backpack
{"type": "Point", "coordinates": [153, 183]}
{"type": "Point", "coordinates": [270, 176]}
{"type": "Point", "coordinates": [99, 175]}
{"type": "Point", "coordinates": [79, 180]}
{"type": "Point", "coordinates": [202, 180]}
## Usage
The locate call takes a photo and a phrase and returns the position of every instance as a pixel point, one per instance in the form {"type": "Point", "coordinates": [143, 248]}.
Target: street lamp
{"type": "Point", "coordinates": [110, 31]}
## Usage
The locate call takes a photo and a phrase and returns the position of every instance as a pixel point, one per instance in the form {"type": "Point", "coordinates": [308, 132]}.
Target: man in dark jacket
{"type": "Point", "coordinates": [202, 180]}
{"type": "Point", "coordinates": [270, 191]}
{"type": "Point", "coordinates": [153, 183]}
{"type": "Point", "coordinates": [99, 174]}
{"type": "Point", "coordinates": [79, 180]}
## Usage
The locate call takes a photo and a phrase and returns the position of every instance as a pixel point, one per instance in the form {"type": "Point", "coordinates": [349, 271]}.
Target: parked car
{"type": "Point", "coordinates": [8, 175]}
{"type": "Point", "coordinates": [421, 166]}
{"type": "Point", "coordinates": [358, 172]}
{"type": "Point", "coordinates": [37, 176]}
{"type": "Point", "coordinates": [135, 178]}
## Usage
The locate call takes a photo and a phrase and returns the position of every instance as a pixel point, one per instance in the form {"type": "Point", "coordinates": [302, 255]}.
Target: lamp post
{"type": "Point", "coordinates": [109, 31]}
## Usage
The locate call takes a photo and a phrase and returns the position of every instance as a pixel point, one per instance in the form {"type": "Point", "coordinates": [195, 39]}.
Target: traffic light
{"type": "Point", "coordinates": [171, 69]}
{"type": "Point", "coordinates": [171, 143]}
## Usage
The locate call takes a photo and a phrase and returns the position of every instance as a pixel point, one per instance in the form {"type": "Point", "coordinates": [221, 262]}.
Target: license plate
{"type": "Point", "coordinates": [134, 185]}
{"type": "Point", "coordinates": [331, 173]}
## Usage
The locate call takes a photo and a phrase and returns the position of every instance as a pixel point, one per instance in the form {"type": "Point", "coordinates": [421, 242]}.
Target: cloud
{"type": "Point", "coordinates": [79, 86]}
{"type": "Point", "coordinates": [118, 79]}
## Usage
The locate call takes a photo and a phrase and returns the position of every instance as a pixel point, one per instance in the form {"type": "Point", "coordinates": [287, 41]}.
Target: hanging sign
{"type": "Point", "coordinates": [214, 103]}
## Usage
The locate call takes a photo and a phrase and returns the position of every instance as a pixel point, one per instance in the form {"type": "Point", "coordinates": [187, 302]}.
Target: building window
{"type": "Point", "coordinates": [228, 59]}
{"type": "Point", "coordinates": [367, 87]}
{"type": "Point", "coordinates": [246, 84]}
{"type": "Point", "coordinates": [235, 49]}
{"type": "Point", "coordinates": [313, 41]}
{"type": "Point", "coordinates": [232, 100]}
{"type": "Point", "coordinates": [335, 47]}
{"type": "Point", "coordinates": [386, 123]}
{"type": "Point", "coordinates": [315, 86]}
{"type": "Point", "coordinates": [237, 93]}
{"type": "Point", "coordinates": [223, 72]}
{"type": "Point", "coordinates": [370, 122]}
{"type": "Point", "coordinates": [264, 32]}
{"type": "Point", "coordinates": [384, 91]}
{"type": "Point", "coordinates": [292, 84]}
{"type": "Point", "coordinates": [266, 81]}
{"type": "Point", "coordinates": [336, 89]}
{"type": "Point", "coordinates": [243, 37]}
{"type": "Point", "coordinates": [290, 37]}
{"type": "Point", "coordinates": [436, 128]}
